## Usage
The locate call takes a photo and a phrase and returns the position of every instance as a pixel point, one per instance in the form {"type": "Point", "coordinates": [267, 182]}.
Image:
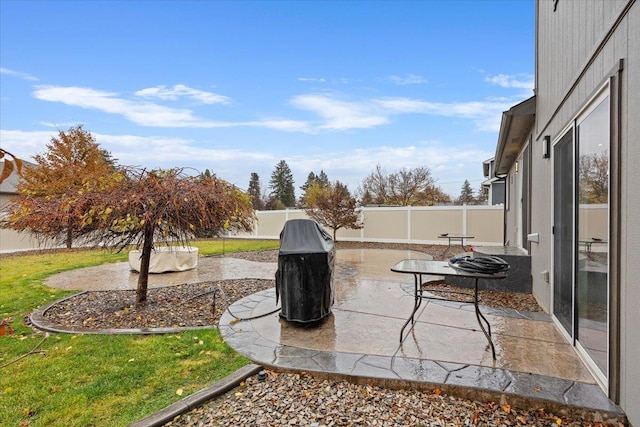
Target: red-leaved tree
{"type": "Point", "coordinates": [332, 206]}
{"type": "Point", "coordinates": [145, 208]}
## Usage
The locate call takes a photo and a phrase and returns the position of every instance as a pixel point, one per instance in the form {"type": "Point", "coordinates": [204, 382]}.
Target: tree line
{"type": "Point", "coordinates": [404, 187]}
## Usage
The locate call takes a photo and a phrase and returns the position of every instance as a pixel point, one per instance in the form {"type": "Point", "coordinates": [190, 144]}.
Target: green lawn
{"type": "Point", "coordinates": [84, 380]}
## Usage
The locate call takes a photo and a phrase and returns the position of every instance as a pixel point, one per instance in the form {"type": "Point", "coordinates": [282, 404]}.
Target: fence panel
{"type": "Point", "coordinates": [381, 224]}
{"type": "Point", "coordinates": [403, 224]}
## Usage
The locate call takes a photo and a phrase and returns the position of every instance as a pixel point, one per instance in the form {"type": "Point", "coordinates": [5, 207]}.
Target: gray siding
{"type": "Point", "coordinates": [567, 42]}
{"type": "Point", "coordinates": [541, 217]}
{"type": "Point", "coordinates": [576, 50]}
{"type": "Point", "coordinates": [630, 274]}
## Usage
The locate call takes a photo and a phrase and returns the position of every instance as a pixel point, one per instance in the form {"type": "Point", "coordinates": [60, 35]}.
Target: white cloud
{"type": "Point", "coordinates": [142, 113]}
{"type": "Point", "coordinates": [351, 167]}
{"type": "Point", "coordinates": [58, 125]}
{"type": "Point", "coordinates": [333, 113]}
{"type": "Point", "coordinates": [147, 151]}
{"type": "Point", "coordinates": [311, 79]}
{"type": "Point", "coordinates": [282, 124]}
{"type": "Point", "coordinates": [167, 152]}
{"type": "Point", "coordinates": [518, 81]}
{"type": "Point", "coordinates": [180, 91]}
{"type": "Point", "coordinates": [147, 113]}
{"type": "Point", "coordinates": [25, 144]}
{"type": "Point", "coordinates": [338, 114]}
{"type": "Point", "coordinates": [410, 79]}
{"type": "Point", "coordinates": [18, 74]}
{"type": "Point", "coordinates": [485, 114]}
{"type": "Point", "coordinates": [472, 109]}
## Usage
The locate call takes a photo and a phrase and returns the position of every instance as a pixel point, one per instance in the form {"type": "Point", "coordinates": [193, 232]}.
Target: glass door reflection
{"type": "Point", "coordinates": [592, 278]}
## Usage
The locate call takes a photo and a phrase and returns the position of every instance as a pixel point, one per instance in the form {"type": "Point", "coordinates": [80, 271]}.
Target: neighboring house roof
{"type": "Point", "coordinates": [491, 181]}
{"type": "Point", "coordinates": [514, 130]}
{"type": "Point", "coordinates": [487, 170]}
{"type": "Point", "coordinates": [486, 167]}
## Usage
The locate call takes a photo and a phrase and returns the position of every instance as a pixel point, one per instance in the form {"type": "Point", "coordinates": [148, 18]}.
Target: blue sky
{"type": "Point", "coordinates": [235, 87]}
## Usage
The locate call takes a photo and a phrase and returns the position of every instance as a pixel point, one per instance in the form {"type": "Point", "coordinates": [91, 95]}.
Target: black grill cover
{"type": "Point", "coordinates": [304, 280]}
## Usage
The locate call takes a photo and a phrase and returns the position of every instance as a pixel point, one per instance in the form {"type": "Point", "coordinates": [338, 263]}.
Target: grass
{"type": "Point", "coordinates": [84, 380]}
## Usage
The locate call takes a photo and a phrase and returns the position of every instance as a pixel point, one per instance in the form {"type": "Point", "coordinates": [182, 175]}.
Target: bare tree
{"type": "Point", "coordinates": [593, 175]}
{"type": "Point", "coordinates": [405, 187]}
{"type": "Point", "coordinates": [483, 195]}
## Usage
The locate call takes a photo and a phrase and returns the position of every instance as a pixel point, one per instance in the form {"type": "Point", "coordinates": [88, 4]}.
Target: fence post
{"type": "Point", "coordinates": [408, 224]}
{"type": "Point", "coordinates": [256, 233]}
{"type": "Point", "coordinates": [464, 218]}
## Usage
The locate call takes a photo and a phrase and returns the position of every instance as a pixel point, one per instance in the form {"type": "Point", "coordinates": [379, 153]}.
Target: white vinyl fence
{"type": "Point", "coordinates": [381, 224]}
{"type": "Point", "coordinates": [405, 224]}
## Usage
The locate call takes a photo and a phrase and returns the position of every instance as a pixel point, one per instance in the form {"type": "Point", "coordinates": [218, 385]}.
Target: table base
{"type": "Point", "coordinates": [419, 296]}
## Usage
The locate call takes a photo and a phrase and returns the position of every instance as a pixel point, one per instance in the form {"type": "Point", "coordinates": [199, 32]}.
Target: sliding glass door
{"type": "Point", "coordinates": [581, 205]}
{"type": "Point", "coordinates": [563, 231]}
{"type": "Point", "coordinates": [592, 278]}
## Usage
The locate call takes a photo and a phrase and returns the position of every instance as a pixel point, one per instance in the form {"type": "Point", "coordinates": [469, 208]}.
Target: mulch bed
{"type": "Point", "coordinates": [188, 305]}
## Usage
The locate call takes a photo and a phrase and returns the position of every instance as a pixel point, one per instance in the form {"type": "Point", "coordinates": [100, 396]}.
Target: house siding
{"type": "Point", "coordinates": [511, 208]}
{"type": "Point", "coordinates": [577, 47]}
{"type": "Point", "coordinates": [630, 227]}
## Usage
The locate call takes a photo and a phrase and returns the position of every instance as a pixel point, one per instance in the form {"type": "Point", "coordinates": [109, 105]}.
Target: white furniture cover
{"type": "Point", "coordinates": [167, 258]}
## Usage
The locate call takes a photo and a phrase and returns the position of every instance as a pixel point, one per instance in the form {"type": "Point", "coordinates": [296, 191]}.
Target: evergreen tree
{"type": "Point", "coordinates": [466, 194]}
{"type": "Point", "coordinates": [254, 191]}
{"type": "Point", "coordinates": [281, 185]}
{"type": "Point", "coordinates": [322, 179]}
{"type": "Point", "coordinates": [311, 179]}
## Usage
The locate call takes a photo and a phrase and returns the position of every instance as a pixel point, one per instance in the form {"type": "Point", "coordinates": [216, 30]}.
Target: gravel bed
{"type": "Point", "coordinates": [284, 399]}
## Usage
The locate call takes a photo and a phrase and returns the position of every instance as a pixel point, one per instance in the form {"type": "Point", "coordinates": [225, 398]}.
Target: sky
{"type": "Point", "coordinates": [237, 86]}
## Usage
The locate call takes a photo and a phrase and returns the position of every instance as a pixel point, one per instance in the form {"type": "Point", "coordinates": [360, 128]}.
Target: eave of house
{"type": "Point", "coordinates": [515, 127]}
{"type": "Point", "coordinates": [486, 167]}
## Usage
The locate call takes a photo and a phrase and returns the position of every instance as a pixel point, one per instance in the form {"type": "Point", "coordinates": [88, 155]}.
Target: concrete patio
{"type": "Point", "coordinates": [535, 367]}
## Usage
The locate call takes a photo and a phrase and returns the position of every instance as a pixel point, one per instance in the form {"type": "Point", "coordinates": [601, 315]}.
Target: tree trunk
{"type": "Point", "coordinates": [145, 257]}
{"type": "Point", "coordinates": [69, 239]}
